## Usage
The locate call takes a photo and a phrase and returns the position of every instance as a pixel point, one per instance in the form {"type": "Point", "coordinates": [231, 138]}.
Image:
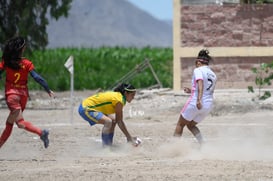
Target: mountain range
{"type": "Point", "coordinates": [97, 23]}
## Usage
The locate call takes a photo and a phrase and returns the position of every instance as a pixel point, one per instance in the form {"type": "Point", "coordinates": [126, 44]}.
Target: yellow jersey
{"type": "Point", "coordinates": [104, 102]}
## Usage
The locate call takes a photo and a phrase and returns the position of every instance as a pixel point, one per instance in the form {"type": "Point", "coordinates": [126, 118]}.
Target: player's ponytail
{"type": "Point", "coordinates": [13, 52]}
{"type": "Point", "coordinates": [122, 88]}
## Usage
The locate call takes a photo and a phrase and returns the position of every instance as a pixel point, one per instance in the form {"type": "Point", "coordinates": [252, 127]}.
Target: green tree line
{"type": "Point", "coordinates": [29, 18]}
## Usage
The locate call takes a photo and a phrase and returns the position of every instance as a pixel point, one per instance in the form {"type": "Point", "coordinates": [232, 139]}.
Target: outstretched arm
{"type": "Point", "coordinates": [42, 82]}
{"type": "Point", "coordinates": [120, 122]}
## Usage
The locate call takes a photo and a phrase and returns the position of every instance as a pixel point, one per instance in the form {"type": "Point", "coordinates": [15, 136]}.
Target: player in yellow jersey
{"type": "Point", "coordinates": [97, 109]}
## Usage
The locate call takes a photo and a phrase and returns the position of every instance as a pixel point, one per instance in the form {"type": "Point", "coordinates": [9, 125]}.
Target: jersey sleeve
{"type": "Point", "coordinates": [29, 65]}
{"type": "Point", "coordinates": [40, 80]}
{"type": "Point", "coordinates": [198, 74]}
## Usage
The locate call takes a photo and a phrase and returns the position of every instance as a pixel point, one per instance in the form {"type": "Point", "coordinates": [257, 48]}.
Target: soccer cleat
{"type": "Point", "coordinates": [44, 138]}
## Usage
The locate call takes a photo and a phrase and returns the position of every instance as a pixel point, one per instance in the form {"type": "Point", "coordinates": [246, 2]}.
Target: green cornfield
{"type": "Point", "coordinates": [100, 67]}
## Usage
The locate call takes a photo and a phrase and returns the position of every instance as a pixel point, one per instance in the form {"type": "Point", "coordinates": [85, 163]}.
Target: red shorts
{"type": "Point", "coordinates": [15, 101]}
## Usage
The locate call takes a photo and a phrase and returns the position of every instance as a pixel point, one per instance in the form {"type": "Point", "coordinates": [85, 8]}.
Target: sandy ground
{"type": "Point", "coordinates": [238, 134]}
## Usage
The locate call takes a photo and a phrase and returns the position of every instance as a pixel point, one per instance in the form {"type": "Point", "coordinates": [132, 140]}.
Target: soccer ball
{"type": "Point", "coordinates": [137, 141]}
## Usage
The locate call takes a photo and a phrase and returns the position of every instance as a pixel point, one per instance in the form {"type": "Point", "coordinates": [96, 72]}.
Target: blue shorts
{"type": "Point", "coordinates": [89, 115]}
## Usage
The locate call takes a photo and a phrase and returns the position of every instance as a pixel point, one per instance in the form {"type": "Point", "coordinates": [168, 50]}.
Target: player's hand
{"type": "Point", "coordinates": [199, 105]}
{"type": "Point", "coordinates": [51, 94]}
{"type": "Point", "coordinates": [187, 90]}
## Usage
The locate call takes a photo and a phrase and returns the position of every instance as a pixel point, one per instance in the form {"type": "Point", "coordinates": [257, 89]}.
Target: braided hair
{"type": "Point", "coordinates": [12, 53]}
{"type": "Point", "coordinates": [203, 56]}
{"type": "Point", "coordinates": [122, 88]}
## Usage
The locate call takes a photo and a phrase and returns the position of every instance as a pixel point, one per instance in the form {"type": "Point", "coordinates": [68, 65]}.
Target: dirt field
{"type": "Point", "coordinates": [238, 134]}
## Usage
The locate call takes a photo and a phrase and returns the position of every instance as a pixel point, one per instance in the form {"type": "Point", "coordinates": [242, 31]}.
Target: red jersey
{"type": "Point", "coordinates": [16, 80]}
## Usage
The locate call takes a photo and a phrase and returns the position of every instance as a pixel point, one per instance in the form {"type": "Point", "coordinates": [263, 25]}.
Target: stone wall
{"type": "Point", "coordinates": [232, 25]}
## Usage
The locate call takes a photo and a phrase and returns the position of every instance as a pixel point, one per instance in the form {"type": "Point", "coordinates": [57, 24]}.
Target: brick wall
{"type": "Point", "coordinates": [232, 72]}
{"type": "Point", "coordinates": [227, 26]}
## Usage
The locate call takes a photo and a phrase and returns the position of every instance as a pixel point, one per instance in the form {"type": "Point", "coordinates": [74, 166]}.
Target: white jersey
{"type": "Point", "coordinates": [190, 111]}
{"type": "Point", "coordinates": [209, 81]}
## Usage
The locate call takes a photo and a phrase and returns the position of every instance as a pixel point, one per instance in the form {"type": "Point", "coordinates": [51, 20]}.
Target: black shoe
{"type": "Point", "coordinates": [44, 138]}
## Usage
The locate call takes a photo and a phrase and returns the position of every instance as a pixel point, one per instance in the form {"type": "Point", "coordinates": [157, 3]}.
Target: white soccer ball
{"type": "Point", "coordinates": [138, 141]}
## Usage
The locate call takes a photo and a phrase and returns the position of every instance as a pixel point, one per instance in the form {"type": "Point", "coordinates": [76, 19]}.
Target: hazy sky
{"type": "Point", "coordinates": [161, 9]}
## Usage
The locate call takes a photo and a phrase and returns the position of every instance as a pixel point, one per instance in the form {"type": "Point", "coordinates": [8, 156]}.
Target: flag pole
{"type": "Point", "coordinates": [69, 64]}
{"type": "Point", "coordinates": [71, 96]}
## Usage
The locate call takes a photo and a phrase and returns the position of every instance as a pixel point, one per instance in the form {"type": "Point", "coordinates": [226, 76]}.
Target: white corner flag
{"type": "Point", "coordinates": [69, 64]}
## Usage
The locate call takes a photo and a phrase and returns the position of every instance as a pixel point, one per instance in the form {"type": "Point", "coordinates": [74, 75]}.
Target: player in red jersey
{"type": "Point", "coordinates": [17, 69]}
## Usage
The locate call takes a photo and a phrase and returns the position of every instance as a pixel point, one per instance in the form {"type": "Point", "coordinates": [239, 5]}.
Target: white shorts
{"type": "Point", "coordinates": [191, 113]}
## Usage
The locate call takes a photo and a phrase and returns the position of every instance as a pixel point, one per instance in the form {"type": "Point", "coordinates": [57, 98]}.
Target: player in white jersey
{"type": "Point", "coordinates": [200, 102]}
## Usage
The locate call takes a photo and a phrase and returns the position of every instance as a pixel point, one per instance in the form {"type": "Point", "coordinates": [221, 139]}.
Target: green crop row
{"type": "Point", "coordinates": [101, 67]}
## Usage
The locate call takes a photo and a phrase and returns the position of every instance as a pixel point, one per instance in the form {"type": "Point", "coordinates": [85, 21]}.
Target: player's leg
{"type": "Point", "coordinates": [112, 130]}
{"type": "Point", "coordinates": [107, 130]}
{"type": "Point", "coordinates": [187, 113]}
{"type": "Point", "coordinates": [195, 131]}
{"type": "Point", "coordinates": [23, 124]}
{"type": "Point", "coordinates": [93, 117]}
{"type": "Point", "coordinates": [6, 133]}
{"type": "Point", "coordinates": [181, 123]}
{"type": "Point", "coordinates": [28, 126]}
{"type": "Point", "coordinates": [14, 106]}
{"type": "Point", "coordinates": [192, 126]}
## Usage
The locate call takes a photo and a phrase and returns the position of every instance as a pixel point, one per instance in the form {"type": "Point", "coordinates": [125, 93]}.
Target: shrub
{"type": "Point", "coordinates": [264, 76]}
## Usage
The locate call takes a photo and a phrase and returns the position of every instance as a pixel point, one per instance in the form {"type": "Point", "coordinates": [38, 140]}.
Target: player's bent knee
{"type": "Point", "coordinates": [20, 125]}
{"type": "Point", "coordinates": [108, 123]}
{"type": "Point", "coordinates": [15, 112]}
{"type": "Point", "coordinates": [191, 126]}
{"type": "Point", "coordinates": [181, 124]}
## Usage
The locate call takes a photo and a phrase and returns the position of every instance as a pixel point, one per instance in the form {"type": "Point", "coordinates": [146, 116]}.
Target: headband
{"type": "Point", "coordinates": [203, 61]}
{"type": "Point", "coordinates": [130, 90]}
